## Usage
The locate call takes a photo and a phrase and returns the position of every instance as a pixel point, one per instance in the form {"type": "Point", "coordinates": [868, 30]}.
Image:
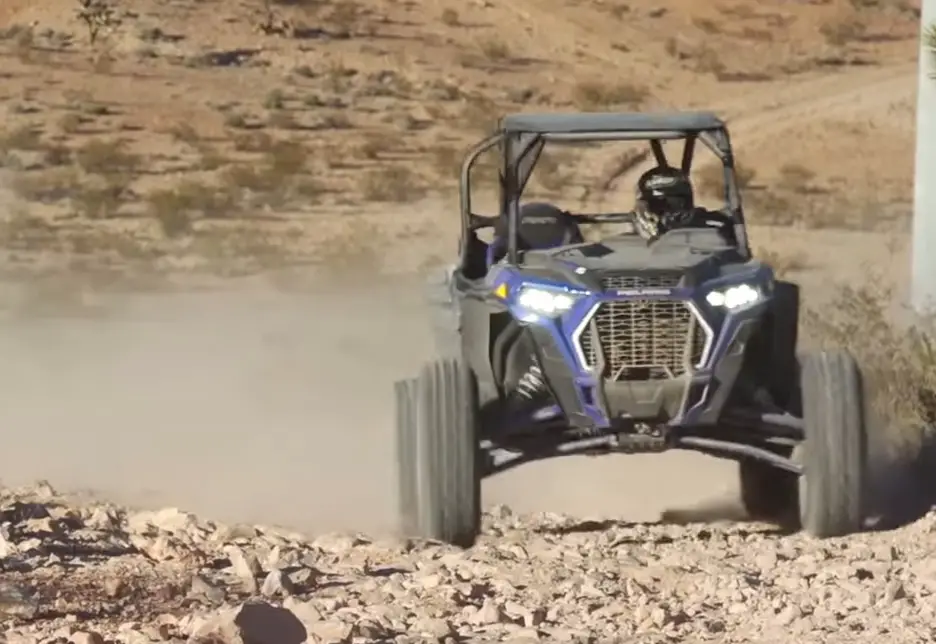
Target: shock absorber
{"type": "Point", "coordinates": [531, 384]}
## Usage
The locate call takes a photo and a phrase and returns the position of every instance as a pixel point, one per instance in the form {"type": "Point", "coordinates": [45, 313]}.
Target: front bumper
{"type": "Point", "coordinates": [696, 397]}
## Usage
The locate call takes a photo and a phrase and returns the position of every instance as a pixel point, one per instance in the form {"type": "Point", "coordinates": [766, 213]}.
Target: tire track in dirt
{"type": "Point", "coordinates": [855, 94]}
{"type": "Point", "coordinates": [780, 108]}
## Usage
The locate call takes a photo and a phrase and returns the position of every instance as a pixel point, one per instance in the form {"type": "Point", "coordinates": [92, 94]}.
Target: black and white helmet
{"type": "Point", "coordinates": [664, 200]}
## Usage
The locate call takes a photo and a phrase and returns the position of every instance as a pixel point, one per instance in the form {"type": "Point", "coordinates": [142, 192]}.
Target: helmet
{"type": "Point", "coordinates": [664, 199]}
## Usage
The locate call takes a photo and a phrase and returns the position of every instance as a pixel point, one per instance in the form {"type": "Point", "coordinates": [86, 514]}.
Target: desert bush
{"type": "Point", "coordinates": [97, 15]}
{"type": "Point", "coordinates": [795, 178]}
{"type": "Point", "coordinates": [782, 263]}
{"type": "Point", "coordinates": [25, 137]}
{"type": "Point", "coordinates": [843, 31]}
{"type": "Point", "coordinates": [450, 17]}
{"type": "Point", "coordinates": [710, 179]}
{"type": "Point", "coordinates": [899, 360]}
{"type": "Point", "coordinates": [495, 50]}
{"type": "Point", "coordinates": [595, 95]}
{"type": "Point", "coordinates": [107, 158]}
{"type": "Point", "coordinates": [176, 208]}
{"type": "Point", "coordinates": [392, 184]}
{"type": "Point", "coordinates": [98, 200]}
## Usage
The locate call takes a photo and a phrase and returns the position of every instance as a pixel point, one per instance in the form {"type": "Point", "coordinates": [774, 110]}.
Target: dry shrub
{"type": "Point", "coordinates": [175, 208]}
{"type": "Point", "coordinates": [25, 137]}
{"type": "Point", "coordinates": [843, 31]}
{"type": "Point", "coordinates": [495, 50]}
{"type": "Point", "coordinates": [899, 361]}
{"type": "Point", "coordinates": [392, 184]}
{"type": "Point", "coordinates": [450, 17]}
{"type": "Point", "coordinates": [243, 250]}
{"type": "Point", "coordinates": [710, 179]}
{"type": "Point", "coordinates": [708, 61]}
{"type": "Point", "coordinates": [707, 25]}
{"type": "Point", "coordinates": [106, 158]}
{"type": "Point", "coordinates": [345, 16]}
{"type": "Point", "coordinates": [283, 120]}
{"type": "Point", "coordinates": [46, 187]}
{"type": "Point", "coordinates": [783, 263]}
{"type": "Point", "coordinates": [554, 171]}
{"type": "Point", "coordinates": [22, 230]}
{"type": "Point", "coordinates": [355, 245]}
{"type": "Point", "coordinates": [273, 180]}
{"type": "Point", "coordinates": [479, 114]}
{"type": "Point", "coordinates": [253, 142]}
{"type": "Point", "coordinates": [796, 178]}
{"type": "Point", "coordinates": [771, 209]}
{"type": "Point", "coordinates": [99, 200]}
{"type": "Point", "coordinates": [275, 100]}
{"type": "Point", "coordinates": [184, 132]}
{"type": "Point", "coordinates": [596, 95]}
{"type": "Point", "coordinates": [209, 157]}
{"type": "Point", "coordinates": [71, 123]}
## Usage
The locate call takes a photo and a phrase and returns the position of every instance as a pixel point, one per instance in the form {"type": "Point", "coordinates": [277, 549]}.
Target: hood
{"type": "Point", "coordinates": [699, 252]}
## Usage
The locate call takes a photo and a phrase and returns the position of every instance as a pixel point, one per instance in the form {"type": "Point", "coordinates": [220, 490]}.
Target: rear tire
{"type": "Point", "coordinates": [834, 452]}
{"type": "Point", "coordinates": [439, 449]}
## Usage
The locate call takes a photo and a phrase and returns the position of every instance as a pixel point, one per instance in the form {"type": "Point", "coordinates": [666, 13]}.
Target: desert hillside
{"type": "Point", "coordinates": [256, 133]}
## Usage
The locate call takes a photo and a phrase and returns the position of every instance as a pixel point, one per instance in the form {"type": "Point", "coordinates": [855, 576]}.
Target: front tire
{"type": "Point", "coordinates": [405, 398]}
{"type": "Point", "coordinates": [442, 456]}
{"type": "Point", "coordinates": [834, 452]}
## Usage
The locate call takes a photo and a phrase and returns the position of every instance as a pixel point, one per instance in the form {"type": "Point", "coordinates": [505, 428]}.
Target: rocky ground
{"type": "Point", "coordinates": [90, 572]}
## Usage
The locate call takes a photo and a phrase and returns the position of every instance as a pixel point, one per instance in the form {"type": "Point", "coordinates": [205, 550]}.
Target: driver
{"type": "Point", "coordinates": [665, 201]}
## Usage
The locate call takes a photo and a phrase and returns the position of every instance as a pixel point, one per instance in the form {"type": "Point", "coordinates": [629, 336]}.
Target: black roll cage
{"type": "Point", "coordinates": [520, 150]}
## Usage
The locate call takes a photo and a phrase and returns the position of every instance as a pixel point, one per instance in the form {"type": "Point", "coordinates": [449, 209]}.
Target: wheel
{"type": "Point", "coordinates": [440, 451]}
{"type": "Point", "coordinates": [834, 452]}
{"type": "Point", "coordinates": [768, 493]}
{"type": "Point", "coordinates": [405, 399]}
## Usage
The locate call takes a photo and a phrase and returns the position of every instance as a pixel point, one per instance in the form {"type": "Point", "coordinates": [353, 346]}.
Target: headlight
{"type": "Point", "coordinates": [544, 301]}
{"type": "Point", "coordinates": [734, 297]}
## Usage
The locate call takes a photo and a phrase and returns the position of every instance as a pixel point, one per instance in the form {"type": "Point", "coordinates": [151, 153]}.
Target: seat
{"type": "Point", "coordinates": [541, 226]}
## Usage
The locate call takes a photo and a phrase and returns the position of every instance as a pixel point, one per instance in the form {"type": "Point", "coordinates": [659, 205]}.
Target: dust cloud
{"type": "Point", "coordinates": [252, 404]}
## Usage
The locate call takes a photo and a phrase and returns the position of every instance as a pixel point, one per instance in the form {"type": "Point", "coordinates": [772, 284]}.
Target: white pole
{"type": "Point", "coordinates": [923, 275]}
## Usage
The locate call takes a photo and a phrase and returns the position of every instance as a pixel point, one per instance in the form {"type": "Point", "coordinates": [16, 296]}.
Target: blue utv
{"type": "Point", "coordinates": [552, 345]}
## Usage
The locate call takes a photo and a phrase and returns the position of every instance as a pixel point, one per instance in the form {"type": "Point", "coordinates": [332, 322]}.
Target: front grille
{"type": "Point", "coordinates": [626, 282]}
{"type": "Point", "coordinates": [643, 340]}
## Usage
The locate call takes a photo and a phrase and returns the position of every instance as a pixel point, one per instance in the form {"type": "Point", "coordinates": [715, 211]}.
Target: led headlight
{"type": "Point", "coordinates": [545, 301]}
{"type": "Point", "coordinates": [734, 297]}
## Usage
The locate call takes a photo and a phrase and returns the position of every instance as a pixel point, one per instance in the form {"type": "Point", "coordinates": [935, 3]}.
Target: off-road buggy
{"type": "Point", "coordinates": [559, 346]}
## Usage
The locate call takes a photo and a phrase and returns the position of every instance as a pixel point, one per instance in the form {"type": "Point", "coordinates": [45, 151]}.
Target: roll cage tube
{"type": "Point", "coordinates": [521, 150]}
{"type": "Point", "coordinates": [467, 217]}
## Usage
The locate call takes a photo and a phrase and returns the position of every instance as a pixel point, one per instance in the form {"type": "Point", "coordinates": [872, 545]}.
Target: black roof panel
{"type": "Point", "coordinates": [574, 122]}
